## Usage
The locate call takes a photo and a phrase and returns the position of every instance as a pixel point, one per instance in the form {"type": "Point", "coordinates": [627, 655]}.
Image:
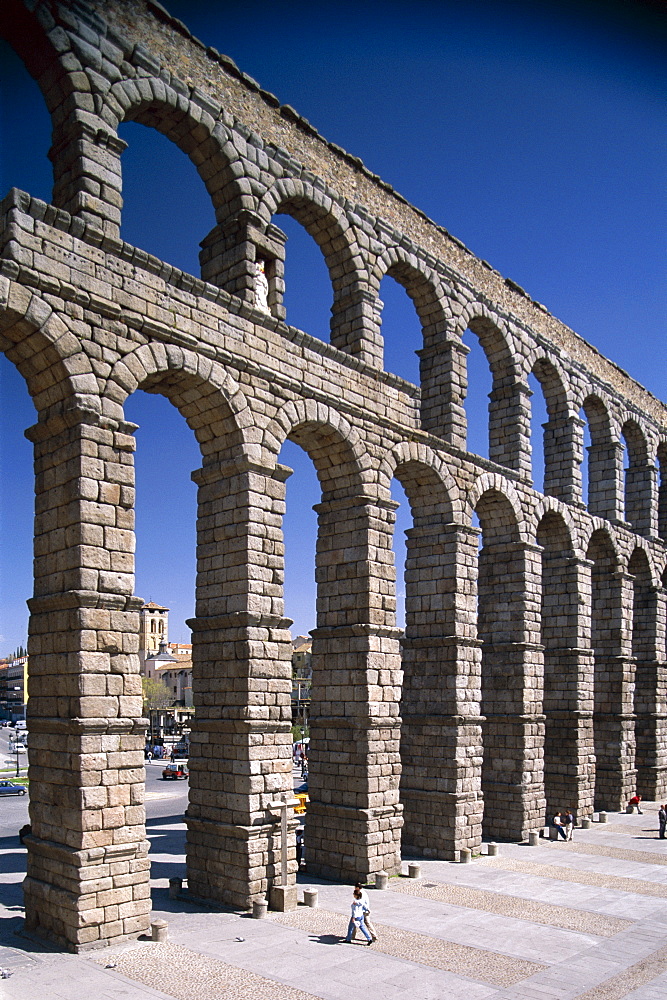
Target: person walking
{"type": "Point", "coordinates": [558, 823]}
{"type": "Point", "coordinates": [367, 912]}
{"type": "Point", "coordinates": [662, 821]}
{"type": "Point", "coordinates": [568, 820]}
{"type": "Point", "coordinates": [357, 918]}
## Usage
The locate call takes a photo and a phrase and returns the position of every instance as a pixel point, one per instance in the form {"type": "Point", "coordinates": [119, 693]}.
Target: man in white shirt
{"type": "Point", "coordinates": [367, 911]}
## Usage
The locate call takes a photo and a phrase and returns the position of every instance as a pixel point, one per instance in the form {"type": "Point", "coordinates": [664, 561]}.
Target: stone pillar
{"type": "Point", "coordinates": [241, 742]}
{"type": "Point", "coordinates": [651, 701]}
{"type": "Point", "coordinates": [512, 682]}
{"type": "Point", "coordinates": [441, 737]}
{"type": "Point", "coordinates": [509, 426]}
{"type": "Point", "coordinates": [354, 816]}
{"type": "Point", "coordinates": [641, 493]}
{"type": "Point", "coordinates": [231, 253]}
{"type": "Point", "coordinates": [88, 870]}
{"type": "Point", "coordinates": [613, 720]}
{"type": "Point", "coordinates": [443, 387]}
{"type": "Point", "coordinates": [356, 324]}
{"type": "Point", "coordinates": [569, 752]}
{"type": "Point", "coordinates": [87, 171]}
{"type": "Point", "coordinates": [605, 479]}
{"type": "Point", "coordinates": [563, 448]}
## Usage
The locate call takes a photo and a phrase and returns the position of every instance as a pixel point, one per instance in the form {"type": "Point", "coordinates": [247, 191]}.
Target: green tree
{"type": "Point", "coordinates": [155, 694]}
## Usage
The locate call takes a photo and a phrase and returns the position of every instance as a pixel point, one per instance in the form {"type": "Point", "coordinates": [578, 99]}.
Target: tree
{"type": "Point", "coordinates": [155, 694]}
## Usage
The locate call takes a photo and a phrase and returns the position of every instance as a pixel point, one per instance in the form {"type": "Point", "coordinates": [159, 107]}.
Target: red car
{"type": "Point", "coordinates": [177, 770]}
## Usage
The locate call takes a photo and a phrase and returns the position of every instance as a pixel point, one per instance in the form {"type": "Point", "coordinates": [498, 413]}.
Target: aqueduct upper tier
{"type": "Point", "coordinates": [530, 673]}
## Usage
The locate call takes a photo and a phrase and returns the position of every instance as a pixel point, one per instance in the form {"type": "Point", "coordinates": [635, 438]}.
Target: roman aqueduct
{"type": "Point", "coordinates": [530, 672]}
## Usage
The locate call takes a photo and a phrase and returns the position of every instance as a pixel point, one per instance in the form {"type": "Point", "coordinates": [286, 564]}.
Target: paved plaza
{"type": "Point", "coordinates": [585, 920]}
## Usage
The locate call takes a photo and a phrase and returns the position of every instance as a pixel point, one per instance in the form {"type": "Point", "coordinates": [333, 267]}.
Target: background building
{"type": "Point", "coordinates": [154, 628]}
{"type": "Point", "coordinates": [16, 697]}
{"type": "Point", "coordinates": [302, 673]}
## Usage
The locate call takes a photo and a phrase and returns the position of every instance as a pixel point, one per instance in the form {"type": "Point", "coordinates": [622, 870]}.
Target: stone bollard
{"type": "Point", "coordinates": [585, 824]}
{"type": "Point", "coordinates": [259, 908]}
{"type": "Point", "coordinates": [465, 854]}
{"type": "Point", "coordinates": [553, 833]}
{"type": "Point", "coordinates": [159, 930]}
{"type": "Point", "coordinates": [175, 887]}
{"type": "Point", "coordinates": [533, 838]}
{"type": "Point", "coordinates": [492, 850]}
{"type": "Point", "coordinates": [414, 870]}
{"type": "Point", "coordinates": [310, 898]}
{"type": "Point", "coordinates": [602, 817]}
{"type": "Point", "coordinates": [381, 880]}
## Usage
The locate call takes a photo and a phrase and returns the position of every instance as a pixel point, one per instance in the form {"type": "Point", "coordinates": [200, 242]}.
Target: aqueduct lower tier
{"type": "Point", "coordinates": [530, 674]}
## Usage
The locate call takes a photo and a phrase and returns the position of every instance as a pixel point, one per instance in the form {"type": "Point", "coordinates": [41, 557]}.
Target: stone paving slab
{"type": "Point", "coordinates": [520, 900]}
{"type": "Point", "coordinates": [655, 856]}
{"type": "Point", "coordinates": [464, 960]}
{"type": "Point", "coordinates": [513, 906]}
{"type": "Point", "coordinates": [496, 932]}
{"type": "Point", "coordinates": [188, 975]}
{"type": "Point", "coordinates": [621, 883]}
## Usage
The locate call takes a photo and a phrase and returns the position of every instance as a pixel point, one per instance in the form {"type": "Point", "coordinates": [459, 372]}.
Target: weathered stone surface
{"type": "Point", "coordinates": [531, 674]}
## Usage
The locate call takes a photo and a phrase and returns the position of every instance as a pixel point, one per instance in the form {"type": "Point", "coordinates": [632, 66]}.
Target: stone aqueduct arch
{"type": "Point", "coordinates": [528, 672]}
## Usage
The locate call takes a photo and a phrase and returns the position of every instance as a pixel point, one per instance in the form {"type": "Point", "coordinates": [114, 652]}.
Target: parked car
{"type": "Point", "coordinates": [174, 771]}
{"type": "Point", "coordinates": [8, 788]}
{"type": "Point", "coordinates": [20, 747]}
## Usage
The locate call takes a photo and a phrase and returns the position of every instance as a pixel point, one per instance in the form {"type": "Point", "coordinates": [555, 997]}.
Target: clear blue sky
{"type": "Point", "coordinates": [533, 132]}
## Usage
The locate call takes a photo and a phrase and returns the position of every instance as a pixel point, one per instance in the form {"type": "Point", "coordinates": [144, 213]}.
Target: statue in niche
{"type": "Point", "coordinates": [261, 286]}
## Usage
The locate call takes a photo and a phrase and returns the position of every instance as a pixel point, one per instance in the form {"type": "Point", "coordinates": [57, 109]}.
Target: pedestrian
{"type": "Point", "coordinates": [367, 912]}
{"type": "Point", "coordinates": [634, 804]}
{"type": "Point", "coordinates": [357, 918]}
{"type": "Point", "coordinates": [299, 846]}
{"type": "Point", "coordinates": [568, 819]}
{"type": "Point", "coordinates": [558, 823]}
{"type": "Point", "coordinates": [662, 820]}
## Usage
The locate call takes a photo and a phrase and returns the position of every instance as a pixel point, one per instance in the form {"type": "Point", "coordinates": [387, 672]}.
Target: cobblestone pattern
{"type": "Point", "coordinates": [513, 906]}
{"type": "Point", "coordinates": [658, 857]}
{"type": "Point", "coordinates": [619, 882]}
{"type": "Point", "coordinates": [624, 983]}
{"type": "Point", "coordinates": [187, 975]}
{"type": "Point", "coordinates": [528, 675]}
{"type": "Point", "coordinates": [475, 963]}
